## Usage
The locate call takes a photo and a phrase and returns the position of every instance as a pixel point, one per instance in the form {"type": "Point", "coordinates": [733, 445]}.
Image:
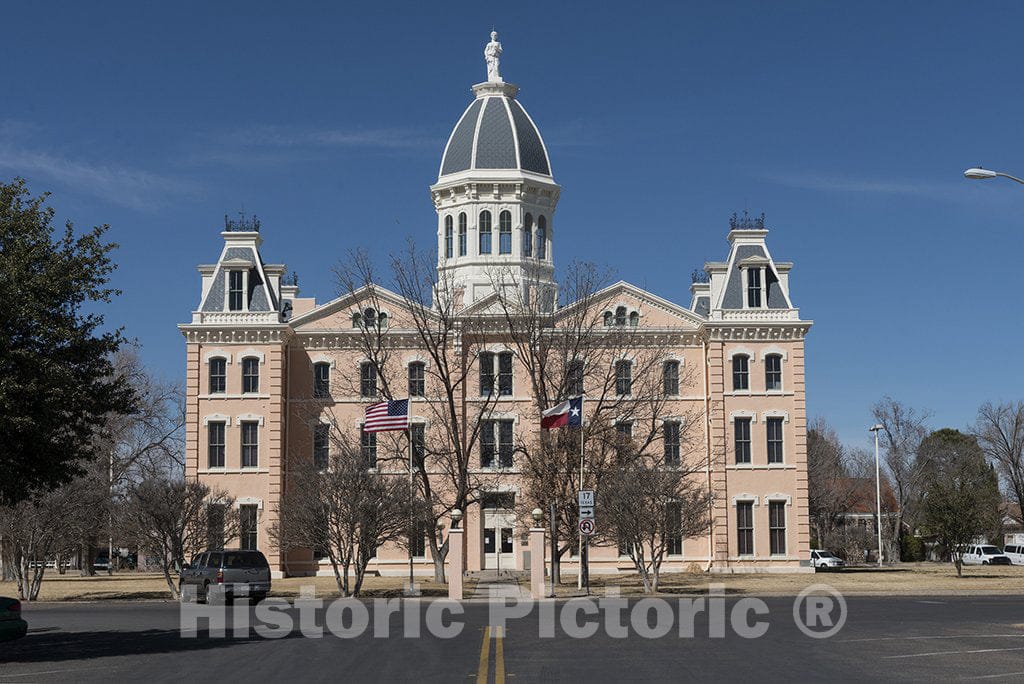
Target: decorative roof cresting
{"type": "Point", "coordinates": [492, 55]}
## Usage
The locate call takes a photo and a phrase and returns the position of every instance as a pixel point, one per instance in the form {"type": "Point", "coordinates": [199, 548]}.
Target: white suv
{"type": "Point", "coordinates": [825, 560]}
{"type": "Point", "coordinates": [984, 554]}
{"type": "Point", "coordinates": [1015, 552]}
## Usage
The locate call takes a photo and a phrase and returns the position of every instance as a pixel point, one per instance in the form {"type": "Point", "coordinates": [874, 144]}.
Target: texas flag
{"type": "Point", "coordinates": [568, 413]}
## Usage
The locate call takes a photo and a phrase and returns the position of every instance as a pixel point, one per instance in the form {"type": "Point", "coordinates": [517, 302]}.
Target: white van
{"type": "Point", "coordinates": [984, 554]}
{"type": "Point", "coordinates": [1015, 552]}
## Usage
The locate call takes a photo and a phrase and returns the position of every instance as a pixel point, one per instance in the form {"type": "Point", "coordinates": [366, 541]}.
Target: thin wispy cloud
{"type": "Point", "coordinates": [120, 185]}
{"type": "Point", "coordinates": [877, 186]}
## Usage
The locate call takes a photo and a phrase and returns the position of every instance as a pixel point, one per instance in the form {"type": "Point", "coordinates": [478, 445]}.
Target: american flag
{"type": "Point", "coordinates": [387, 415]}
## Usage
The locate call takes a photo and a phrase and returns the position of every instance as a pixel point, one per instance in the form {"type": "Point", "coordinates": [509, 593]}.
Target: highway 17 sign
{"type": "Point", "coordinates": [586, 498]}
{"type": "Point", "coordinates": [587, 527]}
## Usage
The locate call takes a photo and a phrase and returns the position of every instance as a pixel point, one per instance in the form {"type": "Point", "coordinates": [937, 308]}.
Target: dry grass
{"type": "Point", "coordinates": [909, 579]}
{"type": "Point", "coordinates": [152, 586]}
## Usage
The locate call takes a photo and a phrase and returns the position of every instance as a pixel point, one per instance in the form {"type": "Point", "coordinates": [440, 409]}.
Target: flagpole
{"type": "Point", "coordinates": [579, 578]}
{"type": "Point", "coordinates": [412, 531]}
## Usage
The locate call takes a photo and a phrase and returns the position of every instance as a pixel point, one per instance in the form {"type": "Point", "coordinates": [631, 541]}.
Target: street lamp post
{"type": "Point", "coordinates": [878, 491]}
{"type": "Point", "coordinates": [979, 173]}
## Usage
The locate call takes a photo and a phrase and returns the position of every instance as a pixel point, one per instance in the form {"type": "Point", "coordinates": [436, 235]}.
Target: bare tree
{"type": "Point", "coordinates": [650, 508]}
{"type": "Point", "coordinates": [171, 519]}
{"type": "Point", "coordinates": [1000, 432]}
{"type": "Point", "coordinates": [345, 511]}
{"type": "Point", "coordinates": [574, 350]}
{"type": "Point", "coordinates": [438, 328]}
{"type": "Point", "coordinates": [903, 430]}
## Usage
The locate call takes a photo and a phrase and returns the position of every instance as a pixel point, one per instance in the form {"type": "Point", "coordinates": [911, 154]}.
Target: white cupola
{"type": "Point", "coordinates": [495, 195]}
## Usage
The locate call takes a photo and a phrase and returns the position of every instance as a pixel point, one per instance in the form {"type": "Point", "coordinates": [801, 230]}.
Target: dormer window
{"type": "Point", "coordinates": [236, 290]}
{"type": "Point", "coordinates": [620, 316]}
{"type": "Point", "coordinates": [754, 288]}
{"type": "Point", "coordinates": [370, 318]}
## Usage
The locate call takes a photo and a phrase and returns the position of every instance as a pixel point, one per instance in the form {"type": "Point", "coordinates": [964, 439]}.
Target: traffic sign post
{"type": "Point", "coordinates": [586, 501]}
{"type": "Point", "coordinates": [587, 527]}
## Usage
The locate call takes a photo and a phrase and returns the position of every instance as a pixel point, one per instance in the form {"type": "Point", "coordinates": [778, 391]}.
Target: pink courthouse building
{"type": "Point", "coordinates": [270, 374]}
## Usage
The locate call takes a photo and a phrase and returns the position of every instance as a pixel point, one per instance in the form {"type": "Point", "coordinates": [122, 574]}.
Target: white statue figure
{"type": "Point", "coordinates": [492, 53]}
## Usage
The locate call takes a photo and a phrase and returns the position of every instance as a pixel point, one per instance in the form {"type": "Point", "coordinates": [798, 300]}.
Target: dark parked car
{"type": "Point", "coordinates": [12, 625]}
{"type": "Point", "coordinates": [227, 574]}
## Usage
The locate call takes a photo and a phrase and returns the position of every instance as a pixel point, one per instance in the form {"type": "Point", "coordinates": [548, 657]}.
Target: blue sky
{"type": "Point", "coordinates": [848, 124]}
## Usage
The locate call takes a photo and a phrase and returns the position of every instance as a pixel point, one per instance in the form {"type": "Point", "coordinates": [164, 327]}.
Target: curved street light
{"type": "Point", "coordinates": [984, 174]}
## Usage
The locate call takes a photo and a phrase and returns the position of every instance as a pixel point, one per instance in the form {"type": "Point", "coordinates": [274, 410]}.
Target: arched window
{"type": "Point", "coordinates": [773, 372]}
{"type": "Point", "coordinates": [417, 378]}
{"type": "Point", "coordinates": [620, 316]}
{"type": "Point", "coordinates": [542, 237]}
{"type": "Point", "coordinates": [382, 320]}
{"type": "Point", "coordinates": [608, 319]}
{"type": "Point", "coordinates": [322, 380]}
{"type": "Point", "coordinates": [485, 232]}
{"type": "Point", "coordinates": [740, 372]}
{"type": "Point", "coordinates": [462, 234]}
{"type": "Point", "coordinates": [250, 375]}
{"type": "Point", "coordinates": [218, 375]}
{"type": "Point", "coordinates": [448, 237]}
{"type": "Point", "coordinates": [357, 320]}
{"type": "Point", "coordinates": [623, 378]}
{"type": "Point", "coordinates": [670, 378]}
{"type": "Point", "coordinates": [367, 380]}
{"type": "Point", "coordinates": [634, 319]}
{"type": "Point", "coordinates": [528, 236]}
{"type": "Point", "coordinates": [370, 318]}
{"type": "Point", "coordinates": [505, 232]}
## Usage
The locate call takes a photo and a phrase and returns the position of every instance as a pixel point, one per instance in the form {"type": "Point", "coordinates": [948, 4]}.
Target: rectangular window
{"type": "Point", "coordinates": [774, 432]}
{"type": "Point", "coordinates": [321, 445]}
{"type": "Point", "coordinates": [672, 438]}
{"type": "Point", "coordinates": [741, 431]}
{"type": "Point", "coordinates": [367, 380]}
{"type": "Point", "coordinates": [322, 380]}
{"type": "Point", "coordinates": [218, 376]}
{"type": "Point", "coordinates": [496, 441]}
{"type": "Point", "coordinates": [248, 523]}
{"type": "Point", "coordinates": [368, 446]}
{"type": "Point", "coordinates": [670, 378]}
{"type": "Point", "coordinates": [250, 444]}
{"type": "Point", "coordinates": [236, 290]}
{"type": "Point", "coordinates": [505, 374]}
{"type": "Point", "coordinates": [745, 528]}
{"type": "Point", "coordinates": [777, 527]}
{"type": "Point", "coordinates": [754, 287]}
{"type": "Point", "coordinates": [486, 374]}
{"type": "Point", "coordinates": [215, 445]}
{"type": "Point", "coordinates": [250, 375]}
{"type": "Point", "coordinates": [574, 380]}
{"type": "Point", "coordinates": [419, 441]}
{"type": "Point", "coordinates": [623, 378]}
{"type": "Point", "coordinates": [740, 372]}
{"type": "Point", "coordinates": [773, 372]}
{"type": "Point", "coordinates": [674, 529]}
{"type": "Point", "coordinates": [214, 533]}
{"type": "Point", "coordinates": [417, 379]}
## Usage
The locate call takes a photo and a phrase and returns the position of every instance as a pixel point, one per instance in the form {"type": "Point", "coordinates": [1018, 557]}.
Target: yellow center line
{"type": "Point", "coordinates": [499, 656]}
{"type": "Point", "coordinates": [485, 658]}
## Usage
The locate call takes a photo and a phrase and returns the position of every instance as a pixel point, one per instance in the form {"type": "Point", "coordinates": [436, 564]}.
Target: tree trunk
{"type": "Point", "coordinates": [439, 554]}
{"type": "Point", "coordinates": [175, 594]}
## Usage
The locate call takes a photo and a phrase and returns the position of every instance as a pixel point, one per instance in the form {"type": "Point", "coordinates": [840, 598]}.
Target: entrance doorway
{"type": "Point", "coordinates": [499, 523]}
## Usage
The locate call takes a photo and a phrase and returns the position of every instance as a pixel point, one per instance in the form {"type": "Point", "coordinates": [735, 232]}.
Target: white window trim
{"type": "Point", "coordinates": [249, 501]}
{"type": "Point", "coordinates": [774, 350]}
{"type": "Point", "coordinates": [775, 413]}
{"type": "Point", "coordinates": [779, 497]}
{"type": "Point", "coordinates": [227, 288]}
{"type": "Point", "coordinates": [252, 354]}
{"type": "Point", "coordinates": [746, 498]}
{"type": "Point", "coordinates": [216, 354]}
{"type": "Point", "coordinates": [217, 418]}
{"type": "Point", "coordinates": [742, 351]}
{"type": "Point", "coordinates": [733, 415]}
{"type": "Point", "coordinates": [250, 417]}
{"type": "Point", "coordinates": [674, 419]}
{"type": "Point", "coordinates": [323, 358]}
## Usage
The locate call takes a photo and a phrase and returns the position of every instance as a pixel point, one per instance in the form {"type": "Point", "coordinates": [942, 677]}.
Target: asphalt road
{"type": "Point", "coordinates": [883, 638]}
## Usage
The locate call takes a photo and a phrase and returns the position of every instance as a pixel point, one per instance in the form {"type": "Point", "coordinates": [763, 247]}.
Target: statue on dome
{"type": "Point", "coordinates": [492, 53]}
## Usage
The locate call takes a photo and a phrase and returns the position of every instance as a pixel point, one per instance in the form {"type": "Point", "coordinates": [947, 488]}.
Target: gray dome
{"type": "Point", "coordinates": [495, 132]}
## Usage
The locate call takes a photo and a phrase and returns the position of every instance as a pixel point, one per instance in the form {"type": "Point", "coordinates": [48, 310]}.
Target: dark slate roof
{"type": "Point", "coordinates": [490, 127]}
{"type": "Point", "coordinates": [261, 299]}
{"type": "Point", "coordinates": [733, 298]}
{"type": "Point", "coordinates": [703, 306]}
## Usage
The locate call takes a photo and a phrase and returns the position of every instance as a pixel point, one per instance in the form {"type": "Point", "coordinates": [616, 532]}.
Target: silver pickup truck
{"type": "Point", "coordinates": [225, 575]}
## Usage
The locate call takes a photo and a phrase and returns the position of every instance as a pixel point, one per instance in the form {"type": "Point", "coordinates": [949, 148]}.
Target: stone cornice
{"type": "Point", "coordinates": [236, 334]}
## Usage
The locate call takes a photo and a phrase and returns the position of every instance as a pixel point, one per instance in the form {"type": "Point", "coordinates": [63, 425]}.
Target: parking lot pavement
{"type": "Point", "coordinates": [907, 639]}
